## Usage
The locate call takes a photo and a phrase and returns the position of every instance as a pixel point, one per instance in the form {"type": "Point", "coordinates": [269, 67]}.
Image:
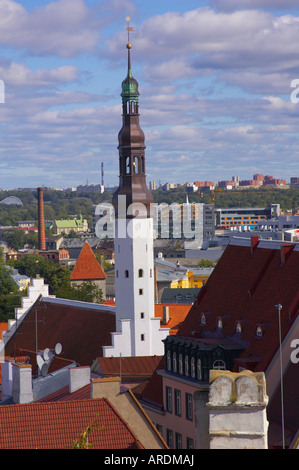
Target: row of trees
{"type": "Point", "coordinates": [62, 204]}
{"type": "Point", "coordinates": [56, 276]}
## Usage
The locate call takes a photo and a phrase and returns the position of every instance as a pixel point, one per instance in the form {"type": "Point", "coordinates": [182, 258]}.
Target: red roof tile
{"type": "Point", "coordinates": [63, 394]}
{"type": "Point", "coordinates": [57, 425]}
{"type": "Point", "coordinates": [244, 287]}
{"type": "Point", "coordinates": [177, 314]}
{"type": "Point", "coordinates": [127, 367]}
{"type": "Point", "coordinates": [87, 266]}
{"type": "Point", "coordinates": [152, 391]}
{"type": "Point", "coordinates": [81, 328]}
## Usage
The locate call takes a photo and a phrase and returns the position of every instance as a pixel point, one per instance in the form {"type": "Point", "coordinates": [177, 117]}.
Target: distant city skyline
{"type": "Point", "coordinates": [216, 79]}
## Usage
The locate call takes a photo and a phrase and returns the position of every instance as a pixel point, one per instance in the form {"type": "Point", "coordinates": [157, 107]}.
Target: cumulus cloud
{"type": "Point", "coordinates": [64, 28]}
{"type": "Point", "coordinates": [230, 5]}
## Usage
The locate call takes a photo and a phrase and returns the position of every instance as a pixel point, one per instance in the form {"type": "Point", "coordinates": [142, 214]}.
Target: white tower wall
{"type": "Point", "coordinates": [138, 331]}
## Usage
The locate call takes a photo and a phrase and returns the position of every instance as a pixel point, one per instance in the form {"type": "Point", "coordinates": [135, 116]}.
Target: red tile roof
{"type": "Point", "coordinates": [244, 287]}
{"type": "Point", "coordinates": [87, 266]}
{"type": "Point", "coordinates": [152, 390]}
{"type": "Point", "coordinates": [80, 327]}
{"type": "Point", "coordinates": [177, 314]}
{"type": "Point", "coordinates": [137, 368]}
{"type": "Point", "coordinates": [57, 425]}
{"type": "Point", "coordinates": [63, 394]}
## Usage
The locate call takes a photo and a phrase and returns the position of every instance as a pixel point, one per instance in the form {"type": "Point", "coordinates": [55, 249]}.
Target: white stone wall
{"type": "Point", "coordinates": [237, 410]}
{"type": "Point", "coordinates": [138, 332]}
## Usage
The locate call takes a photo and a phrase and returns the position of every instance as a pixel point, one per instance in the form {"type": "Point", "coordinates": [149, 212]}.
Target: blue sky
{"type": "Point", "coordinates": [214, 76]}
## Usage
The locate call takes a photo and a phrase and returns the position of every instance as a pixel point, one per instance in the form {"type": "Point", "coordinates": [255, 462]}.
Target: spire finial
{"type": "Point", "coordinates": [129, 29]}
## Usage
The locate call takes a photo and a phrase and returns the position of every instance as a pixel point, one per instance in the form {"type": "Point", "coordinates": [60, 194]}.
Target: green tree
{"type": "Point", "coordinates": [10, 295]}
{"type": "Point", "coordinates": [87, 291]}
{"type": "Point", "coordinates": [55, 276]}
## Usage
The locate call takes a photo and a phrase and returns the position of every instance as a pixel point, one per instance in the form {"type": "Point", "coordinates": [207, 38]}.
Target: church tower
{"type": "Point", "coordinates": [138, 331]}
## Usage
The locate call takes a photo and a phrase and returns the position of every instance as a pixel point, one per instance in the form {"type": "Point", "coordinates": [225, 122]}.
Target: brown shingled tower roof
{"type": "Point", "coordinates": [87, 266]}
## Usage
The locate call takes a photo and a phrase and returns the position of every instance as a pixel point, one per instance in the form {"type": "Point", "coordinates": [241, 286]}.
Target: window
{"type": "Point", "coordinates": [219, 364]}
{"type": "Point", "coordinates": [174, 363]}
{"type": "Point", "coordinates": [192, 368]}
{"type": "Point", "coordinates": [238, 327]}
{"type": "Point", "coordinates": [140, 273]}
{"type": "Point", "coordinates": [178, 440]}
{"type": "Point", "coordinates": [151, 273]}
{"type": "Point", "coordinates": [140, 291]}
{"type": "Point", "coordinates": [168, 360]}
{"type": "Point", "coordinates": [203, 319]}
{"type": "Point", "coordinates": [128, 169]}
{"type": "Point", "coordinates": [190, 443]}
{"type": "Point", "coordinates": [177, 403]}
{"type": "Point", "coordinates": [126, 273]}
{"type": "Point", "coordinates": [259, 331]}
{"type": "Point", "coordinates": [169, 438]}
{"type": "Point", "coordinates": [186, 365]}
{"type": "Point", "coordinates": [189, 407]}
{"type": "Point", "coordinates": [169, 399]}
{"type": "Point", "coordinates": [180, 364]}
{"type": "Point", "coordinates": [159, 428]}
{"type": "Point", "coordinates": [142, 337]}
{"type": "Point", "coordinates": [142, 315]}
{"type": "Point", "coordinates": [199, 369]}
{"type": "Point", "coordinates": [219, 323]}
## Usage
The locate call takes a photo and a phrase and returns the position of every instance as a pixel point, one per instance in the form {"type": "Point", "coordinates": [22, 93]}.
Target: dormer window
{"type": "Point", "coordinates": [238, 327]}
{"type": "Point", "coordinates": [199, 369]}
{"type": "Point", "coordinates": [192, 368]}
{"type": "Point", "coordinates": [259, 332]}
{"type": "Point", "coordinates": [186, 365]}
{"type": "Point", "coordinates": [203, 320]}
{"type": "Point", "coordinates": [219, 364]}
{"type": "Point", "coordinates": [180, 364]}
{"type": "Point", "coordinates": [219, 323]}
{"type": "Point", "coordinates": [168, 360]}
{"type": "Point", "coordinates": [174, 363]}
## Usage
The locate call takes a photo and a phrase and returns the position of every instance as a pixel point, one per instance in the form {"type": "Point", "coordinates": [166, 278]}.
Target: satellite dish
{"type": "Point", "coordinates": [47, 354]}
{"type": "Point", "coordinates": [44, 369]}
{"type": "Point", "coordinates": [39, 361]}
{"type": "Point", "coordinates": [58, 348]}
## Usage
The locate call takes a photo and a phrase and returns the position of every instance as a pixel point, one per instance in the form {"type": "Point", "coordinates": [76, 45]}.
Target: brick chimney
{"type": "Point", "coordinates": [41, 221]}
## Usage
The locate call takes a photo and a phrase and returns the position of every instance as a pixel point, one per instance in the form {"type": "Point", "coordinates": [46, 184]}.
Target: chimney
{"type": "Point", "coordinates": [41, 221]}
{"type": "Point", "coordinates": [165, 319]}
{"type": "Point", "coordinates": [79, 377]}
{"type": "Point", "coordinates": [22, 383]}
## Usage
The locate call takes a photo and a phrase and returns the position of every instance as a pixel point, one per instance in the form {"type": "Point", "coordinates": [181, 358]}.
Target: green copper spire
{"type": "Point", "coordinates": [129, 86]}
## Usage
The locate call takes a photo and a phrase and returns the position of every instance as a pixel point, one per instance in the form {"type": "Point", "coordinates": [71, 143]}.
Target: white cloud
{"type": "Point", "coordinates": [65, 28]}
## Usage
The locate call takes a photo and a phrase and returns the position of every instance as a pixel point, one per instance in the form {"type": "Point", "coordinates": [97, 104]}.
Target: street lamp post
{"type": "Point", "coordinates": [279, 307]}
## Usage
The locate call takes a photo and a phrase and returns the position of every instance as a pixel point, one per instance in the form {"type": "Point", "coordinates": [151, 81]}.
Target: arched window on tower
{"type": "Point", "coordinates": [140, 273]}
{"type": "Point", "coordinates": [136, 165]}
{"type": "Point", "coordinates": [128, 169]}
